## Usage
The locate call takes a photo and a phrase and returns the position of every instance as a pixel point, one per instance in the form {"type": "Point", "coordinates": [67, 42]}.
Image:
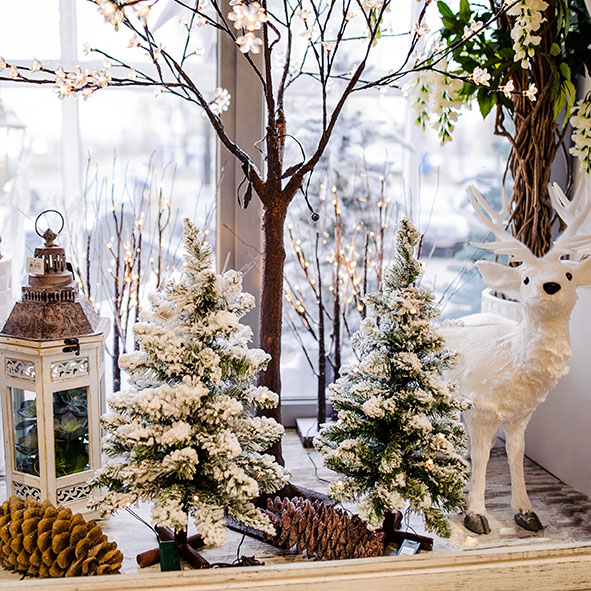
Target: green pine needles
{"type": "Point", "coordinates": [398, 438]}
{"type": "Point", "coordinates": [182, 434]}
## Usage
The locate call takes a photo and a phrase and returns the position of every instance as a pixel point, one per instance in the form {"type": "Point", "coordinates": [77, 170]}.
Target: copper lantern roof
{"type": "Point", "coordinates": [51, 306]}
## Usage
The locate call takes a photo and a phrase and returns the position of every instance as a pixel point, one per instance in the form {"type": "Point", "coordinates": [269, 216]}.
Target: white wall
{"type": "Point", "coordinates": [559, 434]}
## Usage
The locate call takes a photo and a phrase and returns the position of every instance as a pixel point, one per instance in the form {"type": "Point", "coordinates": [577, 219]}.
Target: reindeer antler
{"type": "Point", "coordinates": [493, 220]}
{"type": "Point", "coordinates": [574, 214]}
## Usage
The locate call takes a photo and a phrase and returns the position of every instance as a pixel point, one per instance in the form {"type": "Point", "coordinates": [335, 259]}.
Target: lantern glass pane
{"type": "Point", "coordinates": [24, 420]}
{"type": "Point", "coordinates": [70, 431]}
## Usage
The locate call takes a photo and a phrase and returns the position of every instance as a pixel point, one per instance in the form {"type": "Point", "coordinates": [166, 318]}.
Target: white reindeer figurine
{"type": "Point", "coordinates": [507, 369]}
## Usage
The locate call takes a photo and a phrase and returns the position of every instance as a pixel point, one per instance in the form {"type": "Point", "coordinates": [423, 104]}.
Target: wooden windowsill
{"type": "Point", "coordinates": [559, 567]}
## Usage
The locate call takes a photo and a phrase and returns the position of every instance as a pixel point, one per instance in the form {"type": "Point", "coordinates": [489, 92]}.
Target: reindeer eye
{"type": "Point", "coordinates": [569, 276]}
{"type": "Point", "coordinates": [526, 281]}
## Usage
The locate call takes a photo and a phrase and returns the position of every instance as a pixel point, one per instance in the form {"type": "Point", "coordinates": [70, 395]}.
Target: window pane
{"type": "Point", "coordinates": [24, 420]}
{"type": "Point", "coordinates": [35, 36]}
{"type": "Point", "coordinates": [378, 167]}
{"type": "Point", "coordinates": [132, 129]}
{"type": "Point", "coordinates": [38, 184]}
{"type": "Point", "coordinates": [94, 32]}
{"type": "Point", "coordinates": [70, 429]}
{"type": "Point", "coordinates": [169, 33]}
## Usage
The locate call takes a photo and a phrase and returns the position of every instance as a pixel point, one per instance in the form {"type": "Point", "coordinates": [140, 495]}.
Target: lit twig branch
{"type": "Point", "coordinates": [140, 223]}
{"type": "Point", "coordinates": [355, 254]}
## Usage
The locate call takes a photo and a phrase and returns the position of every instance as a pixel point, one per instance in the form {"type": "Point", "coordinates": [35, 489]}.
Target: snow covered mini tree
{"type": "Point", "coordinates": [398, 438]}
{"type": "Point", "coordinates": [182, 435]}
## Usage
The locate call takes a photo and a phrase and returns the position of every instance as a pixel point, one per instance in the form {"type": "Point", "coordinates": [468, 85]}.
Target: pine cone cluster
{"type": "Point", "coordinates": [44, 541]}
{"type": "Point", "coordinates": [322, 530]}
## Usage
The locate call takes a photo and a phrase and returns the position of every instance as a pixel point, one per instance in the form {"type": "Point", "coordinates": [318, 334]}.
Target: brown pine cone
{"type": "Point", "coordinates": [322, 530]}
{"type": "Point", "coordinates": [44, 541]}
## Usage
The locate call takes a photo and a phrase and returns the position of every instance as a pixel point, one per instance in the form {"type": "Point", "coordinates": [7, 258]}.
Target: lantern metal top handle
{"type": "Point", "coordinates": [49, 235]}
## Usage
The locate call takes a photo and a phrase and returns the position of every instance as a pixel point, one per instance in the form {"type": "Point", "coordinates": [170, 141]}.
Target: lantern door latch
{"type": "Point", "coordinates": [72, 346]}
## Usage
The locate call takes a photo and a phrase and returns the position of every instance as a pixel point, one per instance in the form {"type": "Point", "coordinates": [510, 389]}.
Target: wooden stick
{"type": "Point", "coordinates": [192, 556]}
{"type": "Point", "coordinates": [151, 557]}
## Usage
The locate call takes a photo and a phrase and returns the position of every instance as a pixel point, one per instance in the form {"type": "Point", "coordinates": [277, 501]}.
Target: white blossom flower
{"type": "Point", "coordinates": [111, 12]}
{"type": "Point", "coordinates": [528, 19]}
{"type": "Point", "coordinates": [250, 17]}
{"type": "Point", "coordinates": [37, 65]}
{"type": "Point", "coordinates": [419, 29]}
{"type": "Point", "coordinates": [531, 92]}
{"type": "Point", "coordinates": [473, 28]}
{"type": "Point", "coordinates": [142, 12]}
{"type": "Point", "coordinates": [3, 63]}
{"type": "Point", "coordinates": [249, 43]}
{"type": "Point", "coordinates": [157, 52]}
{"type": "Point", "coordinates": [101, 78]}
{"type": "Point", "coordinates": [329, 45]}
{"type": "Point", "coordinates": [221, 101]}
{"type": "Point", "coordinates": [303, 13]}
{"type": "Point", "coordinates": [200, 21]}
{"type": "Point", "coordinates": [133, 41]}
{"type": "Point", "coordinates": [87, 92]}
{"type": "Point", "coordinates": [198, 51]}
{"type": "Point", "coordinates": [581, 137]}
{"type": "Point", "coordinates": [435, 99]}
{"type": "Point", "coordinates": [373, 4]}
{"type": "Point", "coordinates": [62, 86]}
{"type": "Point", "coordinates": [480, 76]}
{"type": "Point", "coordinates": [508, 89]}
{"type": "Point", "coordinates": [13, 72]}
{"type": "Point", "coordinates": [79, 78]}
{"type": "Point", "coordinates": [86, 49]}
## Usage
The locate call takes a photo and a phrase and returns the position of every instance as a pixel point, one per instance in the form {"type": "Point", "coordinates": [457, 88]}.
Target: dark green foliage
{"type": "Point", "coordinates": [398, 438]}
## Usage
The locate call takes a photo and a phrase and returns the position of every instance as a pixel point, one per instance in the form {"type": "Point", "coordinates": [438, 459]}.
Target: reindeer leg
{"type": "Point", "coordinates": [481, 430]}
{"type": "Point", "coordinates": [515, 446]}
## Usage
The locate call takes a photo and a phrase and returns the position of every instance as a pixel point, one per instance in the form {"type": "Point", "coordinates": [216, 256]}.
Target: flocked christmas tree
{"type": "Point", "coordinates": [398, 438]}
{"type": "Point", "coordinates": [182, 435]}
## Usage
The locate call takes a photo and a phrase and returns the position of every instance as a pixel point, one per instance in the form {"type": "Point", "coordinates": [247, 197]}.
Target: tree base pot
{"type": "Point", "coordinates": [187, 548]}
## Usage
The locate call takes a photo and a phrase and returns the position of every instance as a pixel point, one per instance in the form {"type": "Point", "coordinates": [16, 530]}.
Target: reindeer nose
{"type": "Point", "coordinates": [551, 287]}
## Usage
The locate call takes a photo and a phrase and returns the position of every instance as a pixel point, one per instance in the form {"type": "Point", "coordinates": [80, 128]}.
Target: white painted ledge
{"type": "Point", "coordinates": [546, 567]}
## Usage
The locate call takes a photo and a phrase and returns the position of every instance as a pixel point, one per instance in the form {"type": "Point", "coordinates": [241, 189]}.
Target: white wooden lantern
{"type": "Point", "coordinates": [52, 384]}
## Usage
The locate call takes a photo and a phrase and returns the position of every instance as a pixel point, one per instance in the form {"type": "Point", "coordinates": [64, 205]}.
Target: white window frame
{"type": "Point", "coordinates": [239, 238]}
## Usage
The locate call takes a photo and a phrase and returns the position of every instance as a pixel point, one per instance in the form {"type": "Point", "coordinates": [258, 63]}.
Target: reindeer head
{"type": "Point", "coordinates": [546, 286]}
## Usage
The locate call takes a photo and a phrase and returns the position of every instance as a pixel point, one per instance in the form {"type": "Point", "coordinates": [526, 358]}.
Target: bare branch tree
{"type": "Point", "coordinates": [269, 29]}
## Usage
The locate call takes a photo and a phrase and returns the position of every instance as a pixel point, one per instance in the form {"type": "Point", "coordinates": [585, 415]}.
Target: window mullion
{"type": "Point", "coordinates": [71, 142]}
{"type": "Point", "coordinates": [238, 232]}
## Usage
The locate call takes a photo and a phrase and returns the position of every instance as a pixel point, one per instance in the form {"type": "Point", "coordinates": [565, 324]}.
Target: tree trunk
{"type": "Point", "coordinates": [271, 307]}
{"type": "Point", "coordinates": [530, 162]}
{"type": "Point", "coordinates": [535, 142]}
